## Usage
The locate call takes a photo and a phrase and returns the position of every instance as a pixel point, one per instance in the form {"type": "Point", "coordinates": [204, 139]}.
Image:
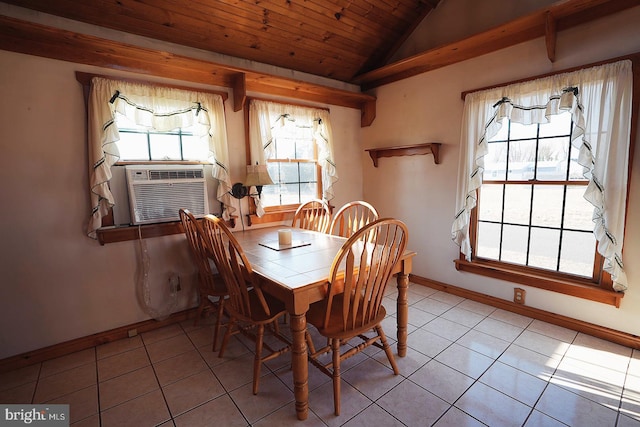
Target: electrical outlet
{"type": "Point", "coordinates": [518, 295]}
{"type": "Point", "coordinates": [132, 333]}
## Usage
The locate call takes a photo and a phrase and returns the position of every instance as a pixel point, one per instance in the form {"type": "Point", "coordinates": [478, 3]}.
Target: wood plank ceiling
{"type": "Point", "coordinates": [338, 39]}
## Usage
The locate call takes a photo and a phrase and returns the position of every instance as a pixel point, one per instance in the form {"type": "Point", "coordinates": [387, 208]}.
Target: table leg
{"type": "Point", "coordinates": [403, 313]}
{"type": "Point", "coordinates": [299, 365]}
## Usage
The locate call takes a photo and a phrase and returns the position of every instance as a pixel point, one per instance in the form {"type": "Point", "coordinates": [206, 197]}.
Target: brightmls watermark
{"type": "Point", "coordinates": [34, 415]}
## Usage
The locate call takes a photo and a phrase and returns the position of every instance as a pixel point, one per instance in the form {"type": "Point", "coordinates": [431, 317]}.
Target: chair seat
{"type": "Point", "coordinates": [317, 313]}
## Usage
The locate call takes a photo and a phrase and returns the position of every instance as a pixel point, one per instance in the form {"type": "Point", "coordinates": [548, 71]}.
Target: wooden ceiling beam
{"type": "Point", "coordinates": [565, 14]}
{"type": "Point", "coordinates": [39, 40]}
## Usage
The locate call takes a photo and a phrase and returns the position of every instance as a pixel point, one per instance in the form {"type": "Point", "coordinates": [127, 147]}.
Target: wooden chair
{"type": "Point", "coordinates": [313, 215]}
{"type": "Point", "coordinates": [249, 309]}
{"type": "Point", "coordinates": [353, 304]}
{"type": "Point", "coordinates": [209, 283]}
{"type": "Point", "coordinates": [351, 218]}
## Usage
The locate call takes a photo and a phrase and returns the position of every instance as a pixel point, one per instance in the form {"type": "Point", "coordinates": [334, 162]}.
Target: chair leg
{"type": "Point", "coordinates": [387, 349]}
{"type": "Point", "coordinates": [216, 328]}
{"type": "Point", "coordinates": [335, 346]}
{"type": "Point", "coordinates": [227, 334]}
{"type": "Point", "coordinates": [257, 362]}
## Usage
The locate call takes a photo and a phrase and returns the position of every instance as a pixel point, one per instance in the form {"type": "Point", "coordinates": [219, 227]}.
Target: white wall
{"type": "Point", "coordinates": [428, 108]}
{"type": "Point", "coordinates": [56, 284]}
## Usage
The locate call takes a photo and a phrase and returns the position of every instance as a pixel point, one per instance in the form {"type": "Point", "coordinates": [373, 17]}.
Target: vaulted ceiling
{"type": "Point", "coordinates": [352, 41]}
{"type": "Point", "coordinates": [332, 38]}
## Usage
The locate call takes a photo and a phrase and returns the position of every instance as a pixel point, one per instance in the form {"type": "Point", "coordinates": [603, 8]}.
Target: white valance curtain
{"type": "Point", "coordinates": [599, 99]}
{"type": "Point", "coordinates": [264, 116]}
{"type": "Point", "coordinates": [158, 108]}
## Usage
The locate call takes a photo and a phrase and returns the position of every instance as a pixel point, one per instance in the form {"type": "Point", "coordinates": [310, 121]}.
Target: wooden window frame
{"type": "Point", "coordinates": [282, 212]}
{"type": "Point", "coordinates": [600, 289]}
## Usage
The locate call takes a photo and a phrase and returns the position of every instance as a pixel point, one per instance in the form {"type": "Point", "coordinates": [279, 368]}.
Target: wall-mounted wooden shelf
{"type": "Point", "coordinates": [407, 150]}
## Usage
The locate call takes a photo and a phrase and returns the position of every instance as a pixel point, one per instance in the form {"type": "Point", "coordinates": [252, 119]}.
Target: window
{"type": "Point", "coordinates": [293, 166]}
{"type": "Point", "coordinates": [543, 180]}
{"type": "Point", "coordinates": [139, 144]}
{"type": "Point", "coordinates": [295, 143]}
{"type": "Point", "coordinates": [139, 123]}
{"type": "Point", "coordinates": [530, 207]}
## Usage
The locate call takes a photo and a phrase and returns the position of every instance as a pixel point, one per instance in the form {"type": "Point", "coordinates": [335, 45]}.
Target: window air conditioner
{"type": "Point", "coordinates": [156, 193]}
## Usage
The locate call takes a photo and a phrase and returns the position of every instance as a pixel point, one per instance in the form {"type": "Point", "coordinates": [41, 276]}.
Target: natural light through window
{"type": "Point", "coordinates": [137, 143]}
{"type": "Point", "coordinates": [531, 211]}
{"type": "Point", "coordinates": [293, 166]}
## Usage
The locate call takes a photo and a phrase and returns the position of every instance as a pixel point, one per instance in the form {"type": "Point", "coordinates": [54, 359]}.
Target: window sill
{"type": "Point", "coordinates": [564, 286]}
{"type": "Point", "coordinates": [113, 234]}
{"type": "Point", "coordinates": [124, 233]}
{"type": "Point", "coordinates": [275, 216]}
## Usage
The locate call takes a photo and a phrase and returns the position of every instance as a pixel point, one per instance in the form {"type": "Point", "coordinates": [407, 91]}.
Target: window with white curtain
{"type": "Point", "coordinates": [152, 123]}
{"type": "Point", "coordinates": [295, 143]}
{"type": "Point", "coordinates": [543, 176]}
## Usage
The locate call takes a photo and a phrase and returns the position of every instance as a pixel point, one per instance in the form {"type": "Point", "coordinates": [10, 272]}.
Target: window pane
{"type": "Point", "coordinates": [514, 244]}
{"type": "Point", "coordinates": [304, 149]}
{"type": "Point", "coordinates": [547, 205]}
{"type": "Point", "coordinates": [194, 148]}
{"type": "Point", "coordinates": [578, 253]}
{"type": "Point", "coordinates": [289, 172]}
{"type": "Point", "coordinates": [285, 148]}
{"type": "Point", "coordinates": [522, 156]}
{"type": "Point", "coordinates": [488, 240]}
{"type": "Point", "coordinates": [308, 191]}
{"type": "Point", "coordinates": [552, 159]}
{"type": "Point", "coordinates": [289, 193]}
{"type": "Point", "coordinates": [307, 172]}
{"type": "Point", "coordinates": [578, 211]}
{"type": "Point", "coordinates": [165, 146]}
{"type": "Point", "coordinates": [517, 201]}
{"type": "Point", "coordinates": [495, 162]}
{"type": "Point", "coordinates": [133, 146]}
{"type": "Point", "coordinates": [491, 203]}
{"type": "Point", "coordinates": [559, 124]}
{"type": "Point", "coordinates": [543, 248]}
{"type": "Point", "coordinates": [503, 133]}
{"type": "Point", "coordinates": [519, 131]}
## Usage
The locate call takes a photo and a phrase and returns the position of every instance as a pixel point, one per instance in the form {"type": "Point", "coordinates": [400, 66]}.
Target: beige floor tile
{"type": "Point", "coordinates": [82, 403]}
{"type": "Point", "coordinates": [286, 417]}
{"type": "Point", "coordinates": [70, 361]}
{"type": "Point", "coordinates": [179, 367]}
{"type": "Point", "coordinates": [413, 405]}
{"type": "Point", "coordinates": [441, 380]}
{"type": "Point", "coordinates": [146, 410]}
{"type": "Point", "coordinates": [128, 386]}
{"type": "Point", "coordinates": [272, 395]}
{"type": "Point", "coordinates": [218, 412]}
{"type": "Point", "coordinates": [192, 391]}
{"type": "Point", "coordinates": [493, 407]}
{"type": "Point", "coordinates": [454, 417]}
{"type": "Point", "coordinates": [574, 410]}
{"type": "Point", "coordinates": [18, 377]}
{"type": "Point", "coordinates": [167, 348]}
{"type": "Point", "coordinates": [65, 382]}
{"type": "Point", "coordinates": [464, 360]}
{"type": "Point", "coordinates": [372, 378]}
{"type": "Point", "coordinates": [119, 346]}
{"type": "Point", "coordinates": [161, 334]}
{"type": "Point", "coordinates": [20, 394]}
{"type": "Point", "coordinates": [373, 416]}
{"type": "Point", "coordinates": [514, 383]}
{"type": "Point", "coordinates": [93, 421]}
{"type": "Point", "coordinates": [122, 363]}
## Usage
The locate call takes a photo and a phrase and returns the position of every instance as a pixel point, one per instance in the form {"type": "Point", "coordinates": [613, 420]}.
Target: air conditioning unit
{"type": "Point", "coordinates": [156, 193]}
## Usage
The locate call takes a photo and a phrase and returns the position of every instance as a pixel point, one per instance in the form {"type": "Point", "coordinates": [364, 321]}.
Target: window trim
{"type": "Point", "coordinates": [282, 212]}
{"type": "Point", "coordinates": [600, 291]}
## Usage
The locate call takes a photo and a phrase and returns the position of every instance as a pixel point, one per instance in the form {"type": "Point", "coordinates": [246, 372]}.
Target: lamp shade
{"type": "Point", "coordinates": [257, 175]}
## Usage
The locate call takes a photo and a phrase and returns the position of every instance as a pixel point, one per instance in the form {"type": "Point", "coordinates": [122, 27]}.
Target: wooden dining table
{"type": "Point", "coordinates": [298, 275]}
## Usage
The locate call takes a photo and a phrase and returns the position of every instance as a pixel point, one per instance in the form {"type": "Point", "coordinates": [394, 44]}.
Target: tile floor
{"type": "Point", "coordinates": [468, 364]}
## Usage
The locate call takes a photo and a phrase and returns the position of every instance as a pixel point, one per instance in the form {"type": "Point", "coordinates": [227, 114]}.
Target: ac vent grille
{"type": "Point", "coordinates": [155, 174]}
{"type": "Point", "coordinates": [157, 194]}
